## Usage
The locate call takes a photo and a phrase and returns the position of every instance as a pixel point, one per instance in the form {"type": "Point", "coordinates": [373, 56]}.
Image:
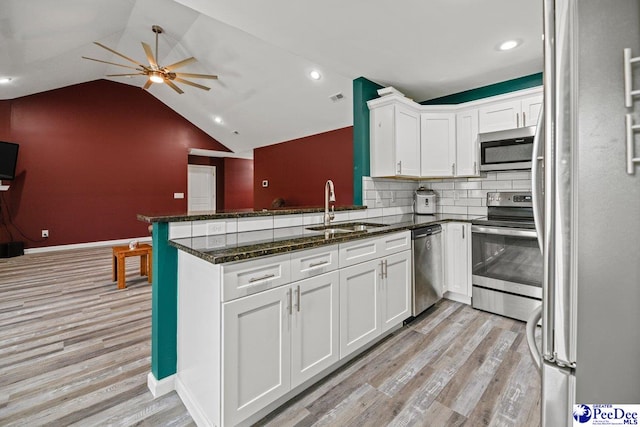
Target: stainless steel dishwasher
{"type": "Point", "coordinates": [427, 267]}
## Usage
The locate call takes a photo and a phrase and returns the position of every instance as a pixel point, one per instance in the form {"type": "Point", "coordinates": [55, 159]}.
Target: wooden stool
{"type": "Point", "coordinates": [120, 253]}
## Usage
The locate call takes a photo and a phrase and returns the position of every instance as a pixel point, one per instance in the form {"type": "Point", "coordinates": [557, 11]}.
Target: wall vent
{"type": "Point", "coordinates": [337, 97]}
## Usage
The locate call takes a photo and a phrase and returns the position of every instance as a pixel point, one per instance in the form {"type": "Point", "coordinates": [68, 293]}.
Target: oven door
{"type": "Point", "coordinates": [506, 270]}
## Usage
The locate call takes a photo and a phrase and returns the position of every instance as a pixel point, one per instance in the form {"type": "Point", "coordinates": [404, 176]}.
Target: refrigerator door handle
{"type": "Point", "coordinates": [536, 179]}
{"type": "Point", "coordinates": [532, 323]}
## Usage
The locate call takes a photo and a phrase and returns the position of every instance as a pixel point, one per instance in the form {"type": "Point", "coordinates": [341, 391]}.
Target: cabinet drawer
{"type": "Point", "coordinates": [394, 243]}
{"type": "Point", "coordinates": [248, 277]}
{"type": "Point", "coordinates": [309, 263]}
{"type": "Point", "coordinates": [352, 253]}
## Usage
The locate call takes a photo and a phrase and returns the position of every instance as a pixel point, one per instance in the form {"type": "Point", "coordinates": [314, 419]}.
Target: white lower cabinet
{"type": "Point", "coordinates": [375, 296]}
{"type": "Point", "coordinates": [239, 358]}
{"type": "Point", "coordinates": [275, 340]}
{"type": "Point", "coordinates": [457, 256]}
{"type": "Point", "coordinates": [256, 352]}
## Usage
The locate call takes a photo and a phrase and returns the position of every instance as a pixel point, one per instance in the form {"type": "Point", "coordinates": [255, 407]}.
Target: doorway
{"type": "Point", "coordinates": [201, 188]}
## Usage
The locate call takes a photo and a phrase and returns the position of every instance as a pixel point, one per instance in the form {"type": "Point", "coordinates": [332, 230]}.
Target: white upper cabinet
{"type": "Point", "coordinates": [395, 140]}
{"type": "Point", "coordinates": [467, 147]}
{"type": "Point", "coordinates": [514, 113]}
{"type": "Point", "coordinates": [531, 107]}
{"type": "Point", "coordinates": [438, 144]}
{"type": "Point", "coordinates": [412, 140]}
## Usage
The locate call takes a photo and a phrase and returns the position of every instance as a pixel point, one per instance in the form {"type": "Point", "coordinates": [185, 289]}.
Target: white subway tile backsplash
{"type": "Point", "coordinates": [341, 216]}
{"type": "Point", "coordinates": [232, 225]}
{"type": "Point", "coordinates": [255, 223]}
{"type": "Point", "coordinates": [442, 185]}
{"type": "Point", "coordinates": [179, 229]}
{"type": "Point", "coordinates": [503, 176]}
{"type": "Point", "coordinates": [354, 215]}
{"type": "Point", "coordinates": [478, 194]}
{"type": "Point", "coordinates": [497, 185]}
{"type": "Point", "coordinates": [312, 218]}
{"type": "Point", "coordinates": [461, 185]}
{"type": "Point", "coordinates": [375, 212]}
{"type": "Point", "coordinates": [522, 184]}
{"type": "Point", "coordinates": [472, 210]}
{"type": "Point", "coordinates": [280, 221]}
{"type": "Point", "coordinates": [469, 202]}
{"type": "Point", "coordinates": [454, 209]}
{"type": "Point", "coordinates": [446, 201]}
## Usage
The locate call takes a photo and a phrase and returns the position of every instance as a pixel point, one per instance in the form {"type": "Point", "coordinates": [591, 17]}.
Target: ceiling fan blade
{"type": "Point", "coordinates": [117, 53]}
{"type": "Point", "coordinates": [112, 63]}
{"type": "Point", "coordinates": [149, 53]}
{"type": "Point", "coordinates": [197, 76]}
{"type": "Point", "coordinates": [172, 86]}
{"type": "Point", "coordinates": [187, 82]}
{"type": "Point", "coordinates": [119, 75]}
{"type": "Point", "coordinates": [147, 84]}
{"type": "Point", "coordinates": [180, 64]}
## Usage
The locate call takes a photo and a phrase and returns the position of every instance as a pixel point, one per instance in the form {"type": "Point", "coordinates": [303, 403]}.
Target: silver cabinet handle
{"type": "Point", "coordinates": [386, 269]}
{"type": "Point", "coordinates": [475, 168]}
{"type": "Point", "coordinates": [265, 277]}
{"type": "Point", "coordinates": [453, 168]}
{"type": "Point", "coordinates": [290, 299]}
{"type": "Point", "coordinates": [524, 118]}
{"type": "Point", "coordinates": [517, 120]}
{"type": "Point", "coordinates": [381, 269]}
{"type": "Point", "coordinates": [631, 159]}
{"type": "Point", "coordinates": [629, 93]}
{"type": "Point", "coordinates": [298, 305]}
{"type": "Point", "coordinates": [318, 264]}
{"type": "Point", "coordinates": [399, 167]}
{"type": "Point", "coordinates": [463, 227]}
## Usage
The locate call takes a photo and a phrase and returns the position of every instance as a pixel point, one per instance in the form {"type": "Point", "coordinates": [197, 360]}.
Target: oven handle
{"type": "Point", "coordinates": [504, 231]}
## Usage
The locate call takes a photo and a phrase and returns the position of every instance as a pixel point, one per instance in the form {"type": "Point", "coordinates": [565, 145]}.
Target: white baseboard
{"type": "Point", "coordinates": [194, 409]}
{"type": "Point", "coordinates": [160, 387]}
{"type": "Point", "coordinates": [454, 296]}
{"type": "Point", "coordinates": [87, 245]}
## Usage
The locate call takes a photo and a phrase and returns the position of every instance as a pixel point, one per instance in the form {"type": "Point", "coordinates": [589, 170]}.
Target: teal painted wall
{"type": "Point", "coordinates": [363, 91]}
{"type": "Point", "coordinates": [520, 83]}
{"type": "Point", "coordinates": [164, 304]}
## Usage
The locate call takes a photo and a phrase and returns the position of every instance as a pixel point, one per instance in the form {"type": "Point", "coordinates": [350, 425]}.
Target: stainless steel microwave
{"type": "Point", "coordinates": [506, 149]}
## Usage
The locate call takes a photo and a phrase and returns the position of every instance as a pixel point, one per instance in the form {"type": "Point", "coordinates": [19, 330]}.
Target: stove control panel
{"type": "Point", "coordinates": [510, 199]}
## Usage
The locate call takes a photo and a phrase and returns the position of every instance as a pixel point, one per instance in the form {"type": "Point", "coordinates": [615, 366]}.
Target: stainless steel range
{"type": "Point", "coordinates": [506, 259]}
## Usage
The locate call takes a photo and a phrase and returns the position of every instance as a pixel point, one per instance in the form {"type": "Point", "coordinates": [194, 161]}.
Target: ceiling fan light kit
{"type": "Point", "coordinates": [154, 72]}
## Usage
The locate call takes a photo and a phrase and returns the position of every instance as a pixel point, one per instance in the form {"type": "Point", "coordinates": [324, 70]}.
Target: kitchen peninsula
{"type": "Point", "coordinates": [250, 308]}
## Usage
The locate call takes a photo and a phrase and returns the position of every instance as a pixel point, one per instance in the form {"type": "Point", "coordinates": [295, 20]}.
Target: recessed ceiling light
{"type": "Point", "coordinates": [218, 120]}
{"type": "Point", "coordinates": [5, 79]}
{"type": "Point", "coordinates": [509, 44]}
{"type": "Point", "coordinates": [315, 75]}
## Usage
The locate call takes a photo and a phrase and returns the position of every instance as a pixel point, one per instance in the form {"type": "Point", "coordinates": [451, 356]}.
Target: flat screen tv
{"type": "Point", "coordinates": [8, 160]}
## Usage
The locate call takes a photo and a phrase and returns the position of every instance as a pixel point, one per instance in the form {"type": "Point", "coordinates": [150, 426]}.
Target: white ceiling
{"type": "Point", "coordinates": [263, 50]}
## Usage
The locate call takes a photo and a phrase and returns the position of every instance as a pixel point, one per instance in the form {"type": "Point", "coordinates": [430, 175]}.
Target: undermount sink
{"type": "Point", "coordinates": [346, 228]}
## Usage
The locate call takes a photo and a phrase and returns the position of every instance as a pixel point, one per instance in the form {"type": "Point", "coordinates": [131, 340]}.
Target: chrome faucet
{"type": "Point", "coordinates": [329, 196]}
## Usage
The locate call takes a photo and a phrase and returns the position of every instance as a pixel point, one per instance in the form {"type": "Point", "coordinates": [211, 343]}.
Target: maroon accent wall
{"type": "Point", "coordinates": [92, 156]}
{"type": "Point", "coordinates": [297, 170]}
{"type": "Point", "coordinates": [238, 183]}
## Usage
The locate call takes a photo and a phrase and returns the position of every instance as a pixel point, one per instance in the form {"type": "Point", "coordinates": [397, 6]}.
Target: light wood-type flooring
{"type": "Point", "coordinates": [75, 350]}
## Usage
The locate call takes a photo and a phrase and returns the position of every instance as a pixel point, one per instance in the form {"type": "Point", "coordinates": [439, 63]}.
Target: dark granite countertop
{"type": "Point", "coordinates": [222, 248]}
{"type": "Point", "coordinates": [237, 213]}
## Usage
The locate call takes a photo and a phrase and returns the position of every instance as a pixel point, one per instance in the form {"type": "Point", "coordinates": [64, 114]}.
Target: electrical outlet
{"type": "Point", "coordinates": [45, 233]}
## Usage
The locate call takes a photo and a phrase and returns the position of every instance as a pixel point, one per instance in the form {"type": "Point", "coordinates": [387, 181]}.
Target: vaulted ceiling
{"type": "Point", "coordinates": [262, 52]}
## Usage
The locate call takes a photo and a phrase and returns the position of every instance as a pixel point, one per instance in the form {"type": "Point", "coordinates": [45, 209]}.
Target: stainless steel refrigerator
{"type": "Point", "coordinates": [587, 203]}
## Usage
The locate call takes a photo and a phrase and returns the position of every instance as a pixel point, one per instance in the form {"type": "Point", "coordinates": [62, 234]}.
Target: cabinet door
{"type": "Point", "coordinates": [256, 352]}
{"type": "Point", "coordinates": [467, 148]}
{"type": "Point", "coordinates": [457, 259]}
{"type": "Point", "coordinates": [407, 141]}
{"type": "Point", "coordinates": [438, 144]}
{"type": "Point", "coordinates": [359, 317]}
{"type": "Point", "coordinates": [395, 295]}
{"type": "Point", "coordinates": [315, 332]}
{"type": "Point", "coordinates": [500, 116]}
{"type": "Point", "coordinates": [531, 107]}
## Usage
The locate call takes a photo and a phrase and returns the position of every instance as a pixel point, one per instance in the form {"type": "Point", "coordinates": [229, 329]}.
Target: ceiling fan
{"type": "Point", "coordinates": [154, 71]}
